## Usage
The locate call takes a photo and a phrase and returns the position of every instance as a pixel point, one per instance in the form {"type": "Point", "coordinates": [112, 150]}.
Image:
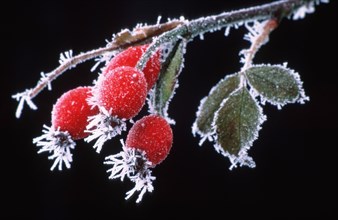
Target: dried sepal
{"type": "Point", "coordinates": [58, 144]}
{"type": "Point", "coordinates": [133, 164]}
{"type": "Point", "coordinates": [103, 127]}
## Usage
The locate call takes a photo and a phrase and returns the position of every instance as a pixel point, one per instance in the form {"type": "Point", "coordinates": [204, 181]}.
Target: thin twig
{"type": "Point", "coordinates": [167, 32]}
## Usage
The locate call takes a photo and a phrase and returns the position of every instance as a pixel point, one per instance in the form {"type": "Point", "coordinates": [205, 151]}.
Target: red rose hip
{"type": "Point", "coordinates": [131, 56]}
{"type": "Point", "coordinates": [69, 120]}
{"type": "Point", "coordinates": [71, 111]}
{"type": "Point", "coordinates": [153, 135]}
{"type": "Point", "coordinates": [120, 94]}
{"type": "Point", "coordinates": [122, 91]}
{"type": "Point", "coordinates": [148, 143]}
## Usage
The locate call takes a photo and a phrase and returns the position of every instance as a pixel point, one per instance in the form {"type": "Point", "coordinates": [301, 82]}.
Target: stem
{"type": "Point", "coordinates": [166, 32]}
{"type": "Point", "coordinates": [190, 30]}
{"type": "Point", "coordinates": [257, 36]}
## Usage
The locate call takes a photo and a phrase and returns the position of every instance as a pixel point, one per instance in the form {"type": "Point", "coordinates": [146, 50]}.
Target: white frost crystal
{"type": "Point", "coordinates": [22, 98]}
{"type": "Point", "coordinates": [132, 163]}
{"type": "Point", "coordinates": [58, 143]}
{"type": "Point", "coordinates": [307, 8]}
{"type": "Point", "coordinates": [103, 127]}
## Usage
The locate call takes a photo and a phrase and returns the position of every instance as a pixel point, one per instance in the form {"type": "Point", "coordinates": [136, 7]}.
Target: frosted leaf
{"type": "Point", "coordinates": [276, 84]}
{"type": "Point", "coordinates": [236, 125]}
{"type": "Point", "coordinates": [103, 127]}
{"type": "Point", "coordinates": [165, 49]}
{"type": "Point", "coordinates": [165, 86]}
{"type": "Point", "coordinates": [210, 104]}
{"type": "Point", "coordinates": [132, 162]}
{"type": "Point", "coordinates": [58, 143]}
{"type": "Point", "coordinates": [23, 97]}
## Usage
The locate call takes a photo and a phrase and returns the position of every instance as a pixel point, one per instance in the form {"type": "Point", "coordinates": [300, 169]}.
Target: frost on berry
{"type": "Point", "coordinates": [131, 56]}
{"type": "Point", "coordinates": [148, 144]}
{"type": "Point", "coordinates": [120, 95]}
{"type": "Point", "coordinates": [71, 111]}
{"type": "Point", "coordinates": [153, 135]}
{"type": "Point", "coordinates": [69, 120]}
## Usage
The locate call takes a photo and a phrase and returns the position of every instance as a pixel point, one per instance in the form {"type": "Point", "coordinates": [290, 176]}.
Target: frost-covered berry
{"type": "Point", "coordinates": [153, 135]}
{"type": "Point", "coordinates": [148, 143]}
{"type": "Point", "coordinates": [71, 111]}
{"type": "Point", "coordinates": [120, 95]}
{"type": "Point", "coordinates": [122, 91]}
{"type": "Point", "coordinates": [69, 120]}
{"type": "Point", "coordinates": [131, 56]}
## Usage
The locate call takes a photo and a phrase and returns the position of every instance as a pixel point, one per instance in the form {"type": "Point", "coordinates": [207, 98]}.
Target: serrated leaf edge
{"type": "Point", "coordinates": [195, 130]}
{"type": "Point", "coordinates": [242, 159]}
{"type": "Point", "coordinates": [301, 98]}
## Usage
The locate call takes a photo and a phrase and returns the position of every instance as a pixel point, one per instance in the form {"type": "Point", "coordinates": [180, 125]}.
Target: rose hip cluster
{"type": "Point", "coordinates": [100, 112]}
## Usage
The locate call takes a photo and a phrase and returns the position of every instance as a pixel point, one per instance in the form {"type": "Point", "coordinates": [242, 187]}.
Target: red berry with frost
{"type": "Point", "coordinates": [71, 111]}
{"type": "Point", "coordinates": [131, 56]}
{"type": "Point", "coordinates": [153, 135]}
{"type": "Point", "coordinates": [69, 121]}
{"type": "Point", "coordinates": [122, 92]}
{"type": "Point", "coordinates": [148, 144]}
{"type": "Point", "coordinates": [120, 95]}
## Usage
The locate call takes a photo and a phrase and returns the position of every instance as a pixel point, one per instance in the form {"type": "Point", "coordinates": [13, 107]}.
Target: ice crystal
{"type": "Point", "coordinates": [66, 56]}
{"type": "Point", "coordinates": [103, 127]}
{"type": "Point", "coordinates": [45, 79]}
{"type": "Point", "coordinates": [23, 97]}
{"type": "Point", "coordinates": [132, 162]}
{"type": "Point", "coordinates": [307, 8]}
{"type": "Point", "coordinates": [256, 31]}
{"type": "Point", "coordinates": [58, 143]}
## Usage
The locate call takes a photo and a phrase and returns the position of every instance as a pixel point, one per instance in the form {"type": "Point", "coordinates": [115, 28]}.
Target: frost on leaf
{"type": "Point", "coordinates": [167, 83]}
{"type": "Point", "coordinates": [210, 104]}
{"type": "Point", "coordinates": [276, 84]}
{"type": "Point", "coordinates": [237, 124]}
{"type": "Point", "coordinates": [58, 143]}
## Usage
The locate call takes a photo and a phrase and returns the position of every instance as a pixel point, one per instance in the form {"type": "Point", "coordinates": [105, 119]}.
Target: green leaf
{"type": "Point", "coordinates": [276, 84]}
{"type": "Point", "coordinates": [210, 104]}
{"type": "Point", "coordinates": [237, 122]}
{"type": "Point", "coordinates": [167, 82]}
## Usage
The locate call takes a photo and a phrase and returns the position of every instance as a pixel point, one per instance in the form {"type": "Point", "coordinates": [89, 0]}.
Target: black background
{"type": "Point", "coordinates": [295, 153]}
